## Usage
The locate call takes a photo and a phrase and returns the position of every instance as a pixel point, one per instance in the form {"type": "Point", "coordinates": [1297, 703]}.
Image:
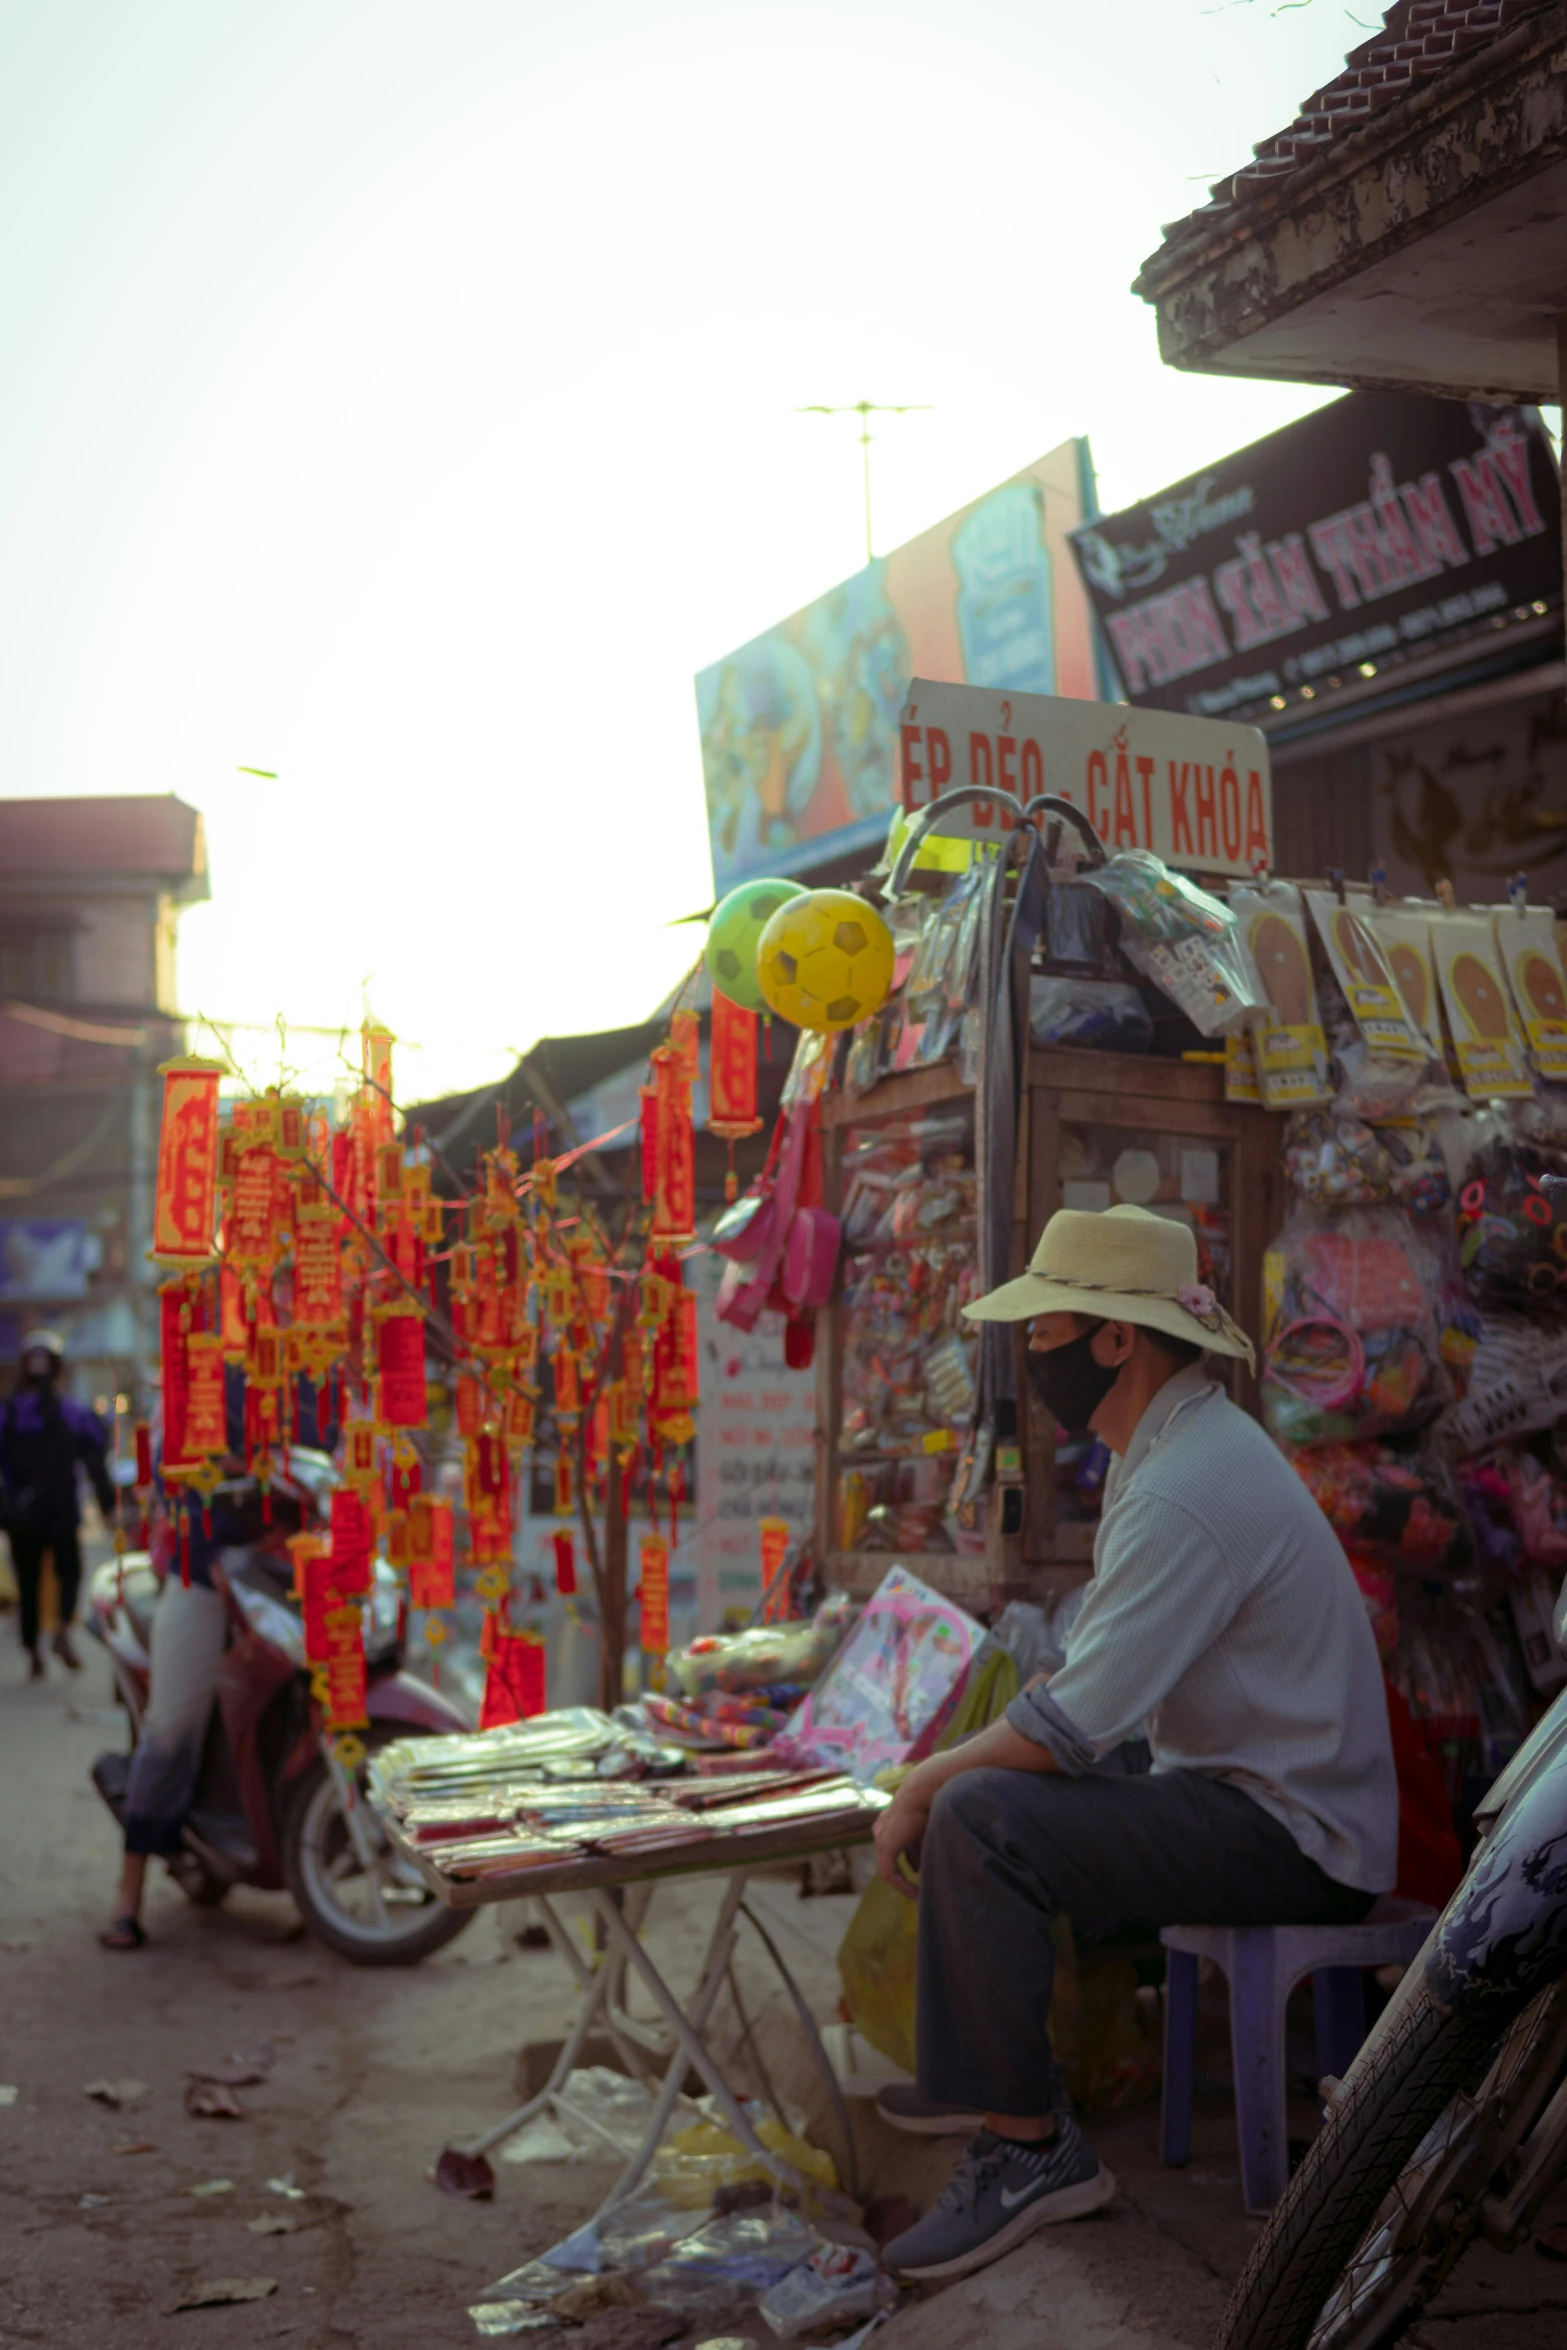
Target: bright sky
{"type": "Point", "coordinates": [400, 397]}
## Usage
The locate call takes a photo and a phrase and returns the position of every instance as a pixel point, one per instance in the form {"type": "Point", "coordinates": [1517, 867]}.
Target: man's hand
{"type": "Point", "coordinates": [901, 1829]}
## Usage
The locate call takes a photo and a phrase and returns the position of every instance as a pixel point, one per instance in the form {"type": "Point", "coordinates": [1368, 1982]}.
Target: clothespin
{"type": "Point", "coordinates": [1444, 890]}
{"type": "Point", "coordinates": [1379, 889]}
{"type": "Point", "coordinates": [1336, 881]}
{"type": "Point", "coordinates": [1518, 892]}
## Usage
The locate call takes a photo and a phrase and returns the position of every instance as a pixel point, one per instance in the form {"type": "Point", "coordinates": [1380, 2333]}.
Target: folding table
{"type": "Point", "coordinates": [619, 1892]}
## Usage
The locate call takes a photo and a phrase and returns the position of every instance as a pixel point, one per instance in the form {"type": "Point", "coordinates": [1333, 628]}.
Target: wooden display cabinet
{"type": "Point", "coordinates": [1094, 1127]}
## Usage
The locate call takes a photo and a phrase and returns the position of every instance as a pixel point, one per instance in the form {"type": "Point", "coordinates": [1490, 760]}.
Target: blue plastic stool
{"type": "Point", "coordinates": [1262, 1965]}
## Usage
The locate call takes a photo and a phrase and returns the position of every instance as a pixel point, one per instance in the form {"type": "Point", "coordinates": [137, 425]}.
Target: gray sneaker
{"type": "Point", "coordinates": [999, 2194]}
{"type": "Point", "coordinates": [908, 2108]}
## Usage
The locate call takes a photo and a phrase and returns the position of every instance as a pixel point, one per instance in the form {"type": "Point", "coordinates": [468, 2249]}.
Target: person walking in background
{"type": "Point", "coordinates": [45, 1437]}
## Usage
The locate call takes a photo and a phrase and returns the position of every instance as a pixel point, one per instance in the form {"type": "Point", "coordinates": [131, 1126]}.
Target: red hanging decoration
{"type": "Point", "coordinates": [674, 1198]}
{"type": "Point", "coordinates": [432, 1574]}
{"type": "Point", "coordinates": [185, 1200]}
{"type": "Point", "coordinates": [654, 1594]}
{"type": "Point", "coordinates": [514, 1684]}
{"type": "Point", "coordinates": [353, 1538]}
{"type": "Point", "coordinates": [732, 1080]}
{"type": "Point", "coordinates": [400, 1359]}
{"type": "Point", "coordinates": [565, 1564]}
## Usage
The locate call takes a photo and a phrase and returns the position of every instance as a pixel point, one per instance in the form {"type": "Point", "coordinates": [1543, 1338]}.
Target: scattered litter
{"type": "Point", "coordinates": [214, 2187]}
{"type": "Point", "coordinates": [541, 2140]}
{"type": "Point", "coordinates": [135, 2146]}
{"type": "Point", "coordinates": [272, 2223]}
{"type": "Point", "coordinates": [232, 2076]}
{"type": "Point", "coordinates": [1552, 2241]}
{"type": "Point", "coordinates": [211, 2100]}
{"type": "Point", "coordinates": [116, 2093]}
{"type": "Point", "coordinates": [728, 2342]}
{"type": "Point", "coordinates": [17, 1943]}
{"type": "Point", "coordinates": [607, 2107]}
{"type": "Point", "coordinates": [297, 1982]}
{"type": "Point", "coordinates": [261, 2055]}
{"type": "Point", "coordinates": [8, 2095]}
{"type": "Point", "coordinates": [837, 2283]}
{"type": "Point", "coordinates": [218, 2292]}
{"type": "Point", "coordinates": [730, 2260]}
{"type": "Point", "coordinates": [91, 2202]}
{"type": "Point", "coordinates": [591, 2295]}
{"type": "Point", "coordinates": [285, 2186]}
{"type": "Point", "coordinates": [494, 2318]}
{"type": "Point", "coordinates": [696, 2163]}
{"type": "Point", "coordinates": [469, 2175]}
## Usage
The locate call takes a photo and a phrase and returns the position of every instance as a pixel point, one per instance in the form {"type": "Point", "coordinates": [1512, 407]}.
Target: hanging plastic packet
{"type": "Point", "coordinates": [1351, 1349]}
{"type": "Point", "coordinates": [1530, 946]}
{"type": "Point", "coordinates": [1516, 1384]}
{"type": "Point", "coordinates": [1107, 1015]}
{"type": "Point", "coordinates": [1512, 1225]}
{"type": "Point", "coordinates": [1395, 1503]}
{"type": "Point", "coordinates": [1362, 971]}
{"type": "Point", "coordinates": [1336, 1162]}
{"type": "Point", "coordinates": [1287, 1040]}
{"type": "Point", "coordinates": [1241, 1082]}
{"type": "Point", "coordinates": [1479, 1010]}
{"type": "Point", "coordinates": [1185, 941]}
{"type": "Point", "coordinates": [1403, 932]}
{"type": "Point", "coordinates": [934, 957]}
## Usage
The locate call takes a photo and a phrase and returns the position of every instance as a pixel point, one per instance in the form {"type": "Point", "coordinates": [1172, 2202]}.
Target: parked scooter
{"type": "Point", "coordinates": [274, 1807]}
{"type": "Point", "coordinates": [1452, 2121]}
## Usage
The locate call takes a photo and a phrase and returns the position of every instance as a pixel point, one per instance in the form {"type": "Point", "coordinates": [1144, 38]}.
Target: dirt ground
{"type": "Point", "coordinates": [376, 2071]}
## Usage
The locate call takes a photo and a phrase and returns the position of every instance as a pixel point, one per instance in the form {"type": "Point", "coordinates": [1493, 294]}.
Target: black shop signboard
{"type": "Point", "coordinates": [1374, 529]}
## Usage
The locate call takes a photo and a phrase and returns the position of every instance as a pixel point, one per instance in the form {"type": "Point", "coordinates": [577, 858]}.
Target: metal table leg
{"type": "Point", "coordinates": [593, 1982]}
{"type": "Point", "coordinates": [688, 2040]}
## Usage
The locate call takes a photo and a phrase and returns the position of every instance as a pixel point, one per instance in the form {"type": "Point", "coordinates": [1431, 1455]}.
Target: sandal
{"type": "Point", "coordinates": [124, 1934]}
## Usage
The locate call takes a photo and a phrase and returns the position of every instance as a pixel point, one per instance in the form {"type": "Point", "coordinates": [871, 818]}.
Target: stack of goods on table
{"type": "Point", "coordinates": [578, 1783]}
{"type": "Point", "coordinates": [494, 1803]}
{"type": "Point", "coordinates": [738, 1690]}
{"type": "Point", "coordinates": [1415, 1341]}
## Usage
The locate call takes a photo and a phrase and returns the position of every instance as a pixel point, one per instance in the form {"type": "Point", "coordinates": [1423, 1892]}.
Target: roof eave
{"type": "Point", "coordinates": [1213, 284]}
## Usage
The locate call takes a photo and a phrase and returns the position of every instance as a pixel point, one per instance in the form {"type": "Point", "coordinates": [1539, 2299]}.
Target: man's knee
{"type": "Point", "coordinates": [971, 1810]}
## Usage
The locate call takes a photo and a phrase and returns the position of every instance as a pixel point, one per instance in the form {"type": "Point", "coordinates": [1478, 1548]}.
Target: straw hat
{"type": "Point", "coordinates": [1121, 1265]}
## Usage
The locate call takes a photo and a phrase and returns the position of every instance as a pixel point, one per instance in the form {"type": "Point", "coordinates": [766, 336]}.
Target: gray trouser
{"type": "Point", "coordinates": [189, 1625]}
{"type": "Point", "coordinates": [1005, 1851]}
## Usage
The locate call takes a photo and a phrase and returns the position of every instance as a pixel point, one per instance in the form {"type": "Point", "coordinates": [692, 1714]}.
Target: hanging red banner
{"type": "Point", "coordinates": [400, 1359]}
{"type": "Point", "coordinates": [565, 1564]}
{"type": "Point", "coordinates": [252, 1225]}
{"type": "Point", "coordinates": [775, 1539]}
{"type": "Point", "coordinates": [732, 1070]}
{"type": "Point", "coordinates": [173, 1331]}
{"type": "Point", "coordinates": [654, 1594]}
{"type": "Point", "coordinates": [316, 1585]}
{"type": "Point", "coordinates": [353, 1538]}
{"type": "Point", "coordinates": [206, 1416]}
{"type": "Point", "coordinates": [346, 1681]}
{"type": "Point", "coordinates": [674, 1202]}
{"type": "Point", "coordinates": [514, 1684]}
{"type": "Point", "coordinates": [185, 1202]}
{"type": "Point", "coordinates": [318, 1271]}
{"type": "Point", "coordinates": [432, 1572]}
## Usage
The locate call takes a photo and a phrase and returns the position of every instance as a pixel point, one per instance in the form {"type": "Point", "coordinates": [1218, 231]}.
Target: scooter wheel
{"type": "Point", "coordinates": [371, 1918]}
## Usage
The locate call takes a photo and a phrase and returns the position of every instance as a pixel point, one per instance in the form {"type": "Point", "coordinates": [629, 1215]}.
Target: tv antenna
{"type": "Point", "coordinates": [865, 410]}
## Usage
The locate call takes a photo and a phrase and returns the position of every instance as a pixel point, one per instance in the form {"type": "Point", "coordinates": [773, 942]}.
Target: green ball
{"type": "Point", "coordinates": [734, 934]}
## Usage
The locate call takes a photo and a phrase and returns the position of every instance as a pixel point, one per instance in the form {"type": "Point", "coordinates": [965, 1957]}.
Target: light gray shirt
{"type": "Point", "coordinates": [1224, 1624]}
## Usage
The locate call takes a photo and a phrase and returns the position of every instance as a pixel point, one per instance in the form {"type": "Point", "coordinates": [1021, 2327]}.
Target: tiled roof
{"type": "Point", "coordinates": [1419, 41]}
{"type": "Point", "coordinates": [157, 836]}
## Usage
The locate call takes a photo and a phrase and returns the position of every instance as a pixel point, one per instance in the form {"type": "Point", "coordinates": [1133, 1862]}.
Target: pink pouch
{"type": "Point", "coordinates": [810, 1257]}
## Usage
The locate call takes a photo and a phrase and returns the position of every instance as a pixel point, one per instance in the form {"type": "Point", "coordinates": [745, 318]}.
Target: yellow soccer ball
{"type": "Point", "coordinates": [825, 960]}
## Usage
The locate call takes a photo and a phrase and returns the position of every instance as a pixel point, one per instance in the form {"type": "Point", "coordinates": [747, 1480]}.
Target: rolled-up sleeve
{"type": "Point", "coordinates": [1162, 1593]}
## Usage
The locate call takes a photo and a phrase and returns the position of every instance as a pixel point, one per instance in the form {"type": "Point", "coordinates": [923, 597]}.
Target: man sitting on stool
{"type": "Point", "coordinates": [1222, 1623]}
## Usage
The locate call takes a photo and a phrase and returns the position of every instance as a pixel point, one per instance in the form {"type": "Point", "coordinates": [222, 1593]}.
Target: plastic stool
{"type": "Point", "coordinates": [1262, 1965]}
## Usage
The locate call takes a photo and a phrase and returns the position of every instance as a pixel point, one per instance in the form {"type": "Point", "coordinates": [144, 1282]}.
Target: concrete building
{"type": "Point", "coordinates": [90, 898]}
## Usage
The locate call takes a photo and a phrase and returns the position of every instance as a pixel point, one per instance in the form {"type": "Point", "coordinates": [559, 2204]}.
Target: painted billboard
{"type": "Point", "coordinates": [800, 726]}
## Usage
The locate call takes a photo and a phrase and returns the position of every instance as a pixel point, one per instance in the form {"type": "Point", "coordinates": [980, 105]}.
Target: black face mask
{"type": "Point", "coordinates": [1069, 1383]}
